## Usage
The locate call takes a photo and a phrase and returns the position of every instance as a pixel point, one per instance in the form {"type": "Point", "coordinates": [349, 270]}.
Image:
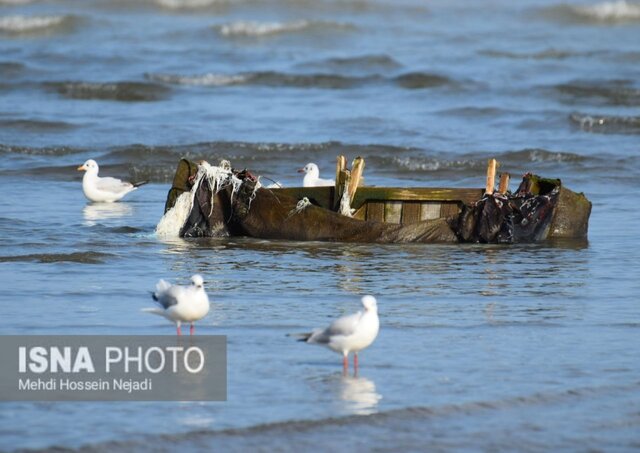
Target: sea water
{"type": "Point", "coordinates": [481, 347]}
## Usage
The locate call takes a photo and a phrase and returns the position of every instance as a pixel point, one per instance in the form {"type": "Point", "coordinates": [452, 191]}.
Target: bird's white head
{"type": "Point", "coordinates": [369, 303]}
{"type": "Point", "coordinates": [197, 281]}
{"type": "Point", "coordinates": [310, 169]}
{"type": "Point", "coordinates": [90, 166]}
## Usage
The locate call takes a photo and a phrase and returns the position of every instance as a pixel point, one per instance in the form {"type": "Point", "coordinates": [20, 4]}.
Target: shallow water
{"type": "Point", "coordinates": [527, 347]}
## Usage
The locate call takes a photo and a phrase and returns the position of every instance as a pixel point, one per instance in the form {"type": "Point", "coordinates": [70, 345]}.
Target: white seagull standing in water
{"type": "Point", "coordinates": [351, 333]}
{"type": "Point", "coordinates": [181, 303]}
{"type": "Point", "coordinates": [105, 190]}
{"type": "Point", "coordinates": [312, 177]}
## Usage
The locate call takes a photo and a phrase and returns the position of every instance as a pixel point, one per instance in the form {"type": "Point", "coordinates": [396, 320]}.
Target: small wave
{"type": "Point", "coordinates": [10, 68]}
{"type": "Point", "coordinates": [538, 155]}
{"type": "Point", "coordinates": [612, 12]}
{"type": "Point", "coordinates": [114, 91]}
{"type": "Point", "coordinates": [267, 78]}
{"type": "Point", "coordinates": [36, 125]}
{"type": "Point", "coordinates": [613, 92]}
{"type": "Point", "coordinates": [412, 81]}
{"type": "Point", "coordinates": [203, 80]}
{"type": "Point", "coordinates": [548, 54]}
{"type": "Point", "coordinates": [619, 11]}
{"type": "Point", "coordinates": [25, 25]}
{"type": "Point", "coordinates": [259, 29]}
{"type": "Point", "coordinates": [421, 164]}
{"type": "Point", "coordinates": [75, 257]}
{"type": "Point", "coordinates": [360, 63]}
{"type": "Point", "coordinates": [251, 29]}
{"type": "Point", "coordinates": [606, 124]}
{"type": "Point", "coordinates": [476, 112]}
{"type": "Point", "coordinates": [420, 80]}
{"type": "Point", "coordinates": [47, 151]}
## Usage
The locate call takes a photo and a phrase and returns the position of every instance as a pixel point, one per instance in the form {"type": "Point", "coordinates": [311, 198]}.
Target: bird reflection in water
{"type": "Point", "coordinates": [96, 212]}
{"type": "Point", "coordinates": [358, 395]}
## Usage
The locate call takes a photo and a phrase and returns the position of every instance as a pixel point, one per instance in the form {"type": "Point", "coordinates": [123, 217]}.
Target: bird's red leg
{"type": "Point", "coordinates": [178, 329]}
{"type": "Point", "coordinates": [345, 365]}
{"type": "Point", "coordinates": [192, 329]}
{"type": "Point", "coordinates": [355, 361]}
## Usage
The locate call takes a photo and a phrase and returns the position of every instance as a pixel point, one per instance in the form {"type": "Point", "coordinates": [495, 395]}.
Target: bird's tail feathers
{"type": "Point", "coordinates": [301, 336]}
{"type": "Point", "coordinates": [154, 311]}
{"type": "Point", "coordinates": [139, 183]}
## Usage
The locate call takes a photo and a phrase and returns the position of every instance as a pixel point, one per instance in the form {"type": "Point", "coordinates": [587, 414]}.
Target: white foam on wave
{"type": "Point", "coordinates": [201, 80]}
{"type": "Point", "coordinates": [258, 29]}
{"type": "Point", "coordinates": [617, 11]}
{"type": "Point", "coordinates": [188, 4]}
{"type": "Point", "coordinates": [15, 2]}
{"type": "Point", "coordinates": [26, 24]}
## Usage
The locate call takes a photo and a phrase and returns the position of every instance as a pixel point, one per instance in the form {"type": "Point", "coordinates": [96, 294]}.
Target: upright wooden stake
{"type": "Point", "coordinates": [491, 176]}
{"type": "Point", "coordinates": [341, 165]}
{"type": "Point", "coordinates": [357, 168]}
{"type": "Point", "coordinates": [341, 168]}
{"type": "Point", "coordinates": [504, 183]}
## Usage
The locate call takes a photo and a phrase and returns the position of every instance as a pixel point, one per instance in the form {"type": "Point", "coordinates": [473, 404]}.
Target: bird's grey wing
{"type": "Point", "coordinates": [343, 326]}
{"type": "Point", "coordinates": [168, 298]}
{"type": "Point", "coordinates": [112, 185]}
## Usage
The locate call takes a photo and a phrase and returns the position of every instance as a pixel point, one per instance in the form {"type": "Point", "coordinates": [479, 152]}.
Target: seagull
{"type": "Point", "coordinates": [100, 189]}
{"type": "Point", "coordinates": [312, 177]}
{"type": "Point", "coordinates": [351, 333]}
{"type": "Point", "coordinates": [181, 303]}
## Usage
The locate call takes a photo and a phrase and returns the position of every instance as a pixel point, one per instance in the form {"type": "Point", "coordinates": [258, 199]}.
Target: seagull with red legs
{"type": "Point", "coordinates": [181, 303]}
{"type": "Point", "coordinates": [351, 333]}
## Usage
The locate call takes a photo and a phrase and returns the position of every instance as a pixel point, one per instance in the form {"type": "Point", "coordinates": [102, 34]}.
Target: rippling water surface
{"type": "Point", "coordinates": [527, 347]}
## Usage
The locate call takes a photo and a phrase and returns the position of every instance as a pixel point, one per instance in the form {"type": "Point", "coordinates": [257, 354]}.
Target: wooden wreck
{"type": "Point", "coordinates": [538, 210]}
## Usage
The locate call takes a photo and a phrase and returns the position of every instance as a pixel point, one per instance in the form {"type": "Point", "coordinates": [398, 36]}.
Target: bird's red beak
{"type": "Point", "coordinates": [80, 168]}
{"type": "Point", "coordinates": [301, 170]}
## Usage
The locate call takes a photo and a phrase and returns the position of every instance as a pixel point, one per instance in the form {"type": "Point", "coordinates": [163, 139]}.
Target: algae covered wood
{"type": "Point", "coordinates": [571, 216]}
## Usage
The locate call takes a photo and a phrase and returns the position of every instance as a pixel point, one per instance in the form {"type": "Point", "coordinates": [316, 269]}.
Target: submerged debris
{"type": "Point", "coordinates": [208, 201]}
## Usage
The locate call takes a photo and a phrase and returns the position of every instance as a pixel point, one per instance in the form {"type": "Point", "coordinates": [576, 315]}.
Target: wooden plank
{"type": "Point", "coordinates": [361, 214]}
{"type": "Point", "coordinates": [411, 212]}
{"type": "Point", "coordinates": [375, 211]}
{"type": "Point", "coordinates": [323, 196]}
{"type": "Point", "coordinates": [415, 194]}
{"type": "Point", "coordinates": [430, 210]}
{"type": "Point", "coordinates": [393, 211]}
{"type": "Point", "coordinates": [449, 209]}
